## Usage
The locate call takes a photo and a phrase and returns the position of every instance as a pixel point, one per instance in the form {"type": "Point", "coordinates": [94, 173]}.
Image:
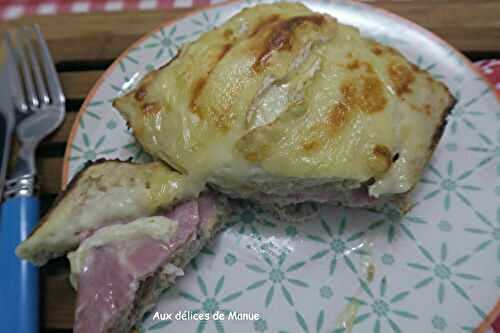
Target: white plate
{"type": "Point", "coordinates": [437, 270]}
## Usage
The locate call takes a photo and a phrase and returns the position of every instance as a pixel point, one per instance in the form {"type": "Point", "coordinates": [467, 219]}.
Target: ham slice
{"type": "Point", "coordinates": [206, 208]}
{"type": "Point", "coordinates": [104, 290]}
{"type": "Point", "coordinates": [188, 217]}
{"type": "Point", "coordinates": [112, 273]}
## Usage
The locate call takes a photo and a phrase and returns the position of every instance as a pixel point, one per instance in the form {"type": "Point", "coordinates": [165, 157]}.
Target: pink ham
{"type": "Point", "coordinates": [206, 208]}
{"type": "Point", "coordinates": [143, 257]}
{"type": "Point", "coordinates": [187, 215]}
{"type": "Point", "coordinates": [108, 282]}
{"type": "Point", "coordinates": [110, 278]}
{"type": "Point", "coordinates": [186, 208]}
{"type": "Point", "coordinates": [103, 291]}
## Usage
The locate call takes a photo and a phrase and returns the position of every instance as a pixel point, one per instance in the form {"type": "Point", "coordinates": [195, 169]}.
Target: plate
{"type": "Point", "coordinates": [318, 268]}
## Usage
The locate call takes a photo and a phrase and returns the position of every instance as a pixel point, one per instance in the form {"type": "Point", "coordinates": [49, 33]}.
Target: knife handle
{"type": "Point", "coordinates": [19, 278]}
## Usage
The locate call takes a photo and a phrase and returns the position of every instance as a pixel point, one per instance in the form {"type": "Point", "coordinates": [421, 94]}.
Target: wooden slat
{"type": "Point", "coordinates": [76, 85]}
{"type": "Point", "coordinates": [96, 35]}
{"type": "Point", "coordinates": [49, 174]}
{"type": "Point", "coordinates": [469, 26]}
{"type": "Point", "coordinates": [62, 133]}
{"type": "Point", "coordinates": [57, 312]}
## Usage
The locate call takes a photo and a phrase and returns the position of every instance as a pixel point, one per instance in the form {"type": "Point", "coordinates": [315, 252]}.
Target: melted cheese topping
{"type": "Point", "coordinates": [281, 91]}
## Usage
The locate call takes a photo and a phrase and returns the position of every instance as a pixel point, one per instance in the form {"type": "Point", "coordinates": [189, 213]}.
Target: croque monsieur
{"type": "Point", "coordinates": [279, 105]}
{"type": "Point", "coordinates": [283, 105]}
{"type": "Point", "coordinates": [129, 230]}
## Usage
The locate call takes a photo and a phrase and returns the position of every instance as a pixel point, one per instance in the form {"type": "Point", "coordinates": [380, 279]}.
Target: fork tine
{"type": "Point", "coordinates": [25, 69]}
{"type": "Point", "coordinates": [17, 91]}
{"type": "Point", "coordinates": [35, 66]}
{"type": "Point", "coordinates": [54, 86]}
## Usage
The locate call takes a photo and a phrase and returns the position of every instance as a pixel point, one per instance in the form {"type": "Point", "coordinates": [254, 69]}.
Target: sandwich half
{"type": "Point", "coordinates": [128, 231]}
{"type": "Point", "coordinates": [283, 105]}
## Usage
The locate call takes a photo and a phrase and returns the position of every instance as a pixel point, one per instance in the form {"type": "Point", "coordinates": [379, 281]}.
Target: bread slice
{"type": "Point", "coordinates": [104, 192]}
{"type": "Point", "coordinates": [283, 105]}
{"type": "Point", "coordinates": [129, 230]}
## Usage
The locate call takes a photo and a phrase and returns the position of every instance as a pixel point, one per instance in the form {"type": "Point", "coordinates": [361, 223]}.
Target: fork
{"type": "Point", "coordinates": [39, 109]}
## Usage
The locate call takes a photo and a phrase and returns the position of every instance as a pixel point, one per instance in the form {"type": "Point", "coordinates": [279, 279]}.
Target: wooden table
{"type": "Point", "coordinates": [85, 45]}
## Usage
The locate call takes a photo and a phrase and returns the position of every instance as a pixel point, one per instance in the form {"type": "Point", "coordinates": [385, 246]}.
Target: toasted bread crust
{"type": "Point", "coordinates": [72, 185]}
{"type": "Point", "coordinates": [439, 131]}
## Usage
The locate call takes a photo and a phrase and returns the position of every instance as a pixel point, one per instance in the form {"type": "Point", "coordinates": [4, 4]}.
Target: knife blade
{"type": "Point", "coordinates": [7, 116]}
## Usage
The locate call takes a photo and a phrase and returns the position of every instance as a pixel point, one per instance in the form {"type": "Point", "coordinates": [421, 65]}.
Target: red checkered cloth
{"type": "Point", "coordinates": [11, 9]}
{"type": "Point", "coordinates": [491, 69]}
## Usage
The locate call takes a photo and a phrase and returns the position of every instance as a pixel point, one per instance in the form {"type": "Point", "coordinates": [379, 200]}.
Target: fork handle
{"type": "Point", "coordinates": [19, 278]}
